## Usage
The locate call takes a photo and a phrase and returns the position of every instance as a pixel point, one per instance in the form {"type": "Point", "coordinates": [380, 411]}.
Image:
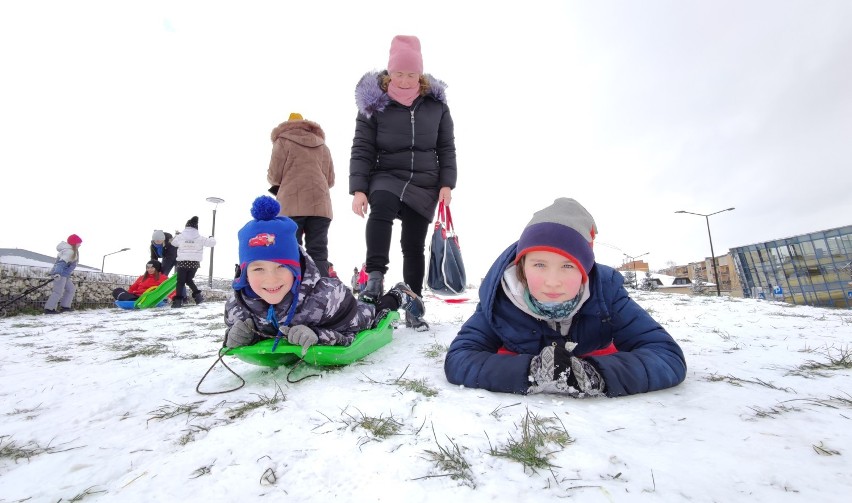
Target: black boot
{"type": "Point", "coordinates": [198, 298]}
{"type": "Point", "coordinates": [374, 289]}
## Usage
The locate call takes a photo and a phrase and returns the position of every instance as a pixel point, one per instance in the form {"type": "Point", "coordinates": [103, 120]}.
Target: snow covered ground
{"type": "Point", "coordinates": [102, 406]}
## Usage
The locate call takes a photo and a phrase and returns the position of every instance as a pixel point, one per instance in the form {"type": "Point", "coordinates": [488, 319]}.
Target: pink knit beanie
{"type": "Point", "coordinates": [405, 54]}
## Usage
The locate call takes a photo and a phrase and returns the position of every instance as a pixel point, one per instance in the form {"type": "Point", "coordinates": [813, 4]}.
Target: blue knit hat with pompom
{"type": "Point", "coordinates": [268, 237]}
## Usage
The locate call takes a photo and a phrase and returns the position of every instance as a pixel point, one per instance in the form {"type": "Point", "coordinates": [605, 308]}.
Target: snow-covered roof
{"type": "Point", "coordinates": [17, 256]}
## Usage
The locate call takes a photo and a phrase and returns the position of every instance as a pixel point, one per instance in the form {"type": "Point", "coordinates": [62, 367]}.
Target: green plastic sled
{"type": "Point", "coordinates": [153, 297]}
{"type": "Point", "coordinates": [366, 341]}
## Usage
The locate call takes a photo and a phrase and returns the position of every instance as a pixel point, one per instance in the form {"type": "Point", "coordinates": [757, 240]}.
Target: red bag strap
{"type": "Point", "coordinates": [445, 216]}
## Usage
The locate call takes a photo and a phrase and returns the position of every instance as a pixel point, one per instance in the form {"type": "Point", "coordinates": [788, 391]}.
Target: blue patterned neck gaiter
{"type": "Point", "coordinates": [553, 310]}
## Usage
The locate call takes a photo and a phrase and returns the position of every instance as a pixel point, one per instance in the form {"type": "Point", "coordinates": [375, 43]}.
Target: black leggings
{"type": "Point", "coordinates": [122, 294]}
{"type": "Point", "coordinates": [385, 207]}
{"type": "Point", "coordinates": [315, 233]}
{"type": "Point", "coordinates": [184, 279]}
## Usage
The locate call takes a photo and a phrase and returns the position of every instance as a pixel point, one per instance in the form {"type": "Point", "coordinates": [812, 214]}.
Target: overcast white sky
{"type": "Point", "coordinates": [119, 118]}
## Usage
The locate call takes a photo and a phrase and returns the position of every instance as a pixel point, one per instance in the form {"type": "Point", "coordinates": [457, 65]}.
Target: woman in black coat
{"type": "Point", "coordinates": [403, 163]}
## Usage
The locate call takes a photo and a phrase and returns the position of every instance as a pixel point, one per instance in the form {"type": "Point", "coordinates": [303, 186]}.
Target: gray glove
{"type": "Point", "coordinates": [303, 336]}
{"type": "Point", "coordinates": [241, 333]}
{"type": "Point", "coordinates": [557, 370]}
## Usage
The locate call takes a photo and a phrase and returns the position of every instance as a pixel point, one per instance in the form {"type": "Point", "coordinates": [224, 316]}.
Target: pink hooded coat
{"type": "Point", "coordinates": [302, 168]}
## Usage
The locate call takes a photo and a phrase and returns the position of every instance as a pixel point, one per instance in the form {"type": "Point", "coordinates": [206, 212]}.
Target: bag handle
{"type": "Point", "coordinates": [445, 216]}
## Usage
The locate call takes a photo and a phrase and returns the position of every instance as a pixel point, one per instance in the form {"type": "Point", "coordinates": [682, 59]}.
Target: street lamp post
{"type": "Point", "coordinates": [216, 201]}
{"type": "Point", "coordinates": [712, 253]}
{"type": "Point", "coordinates": [633, 265]}
{"type": "Point", "coordinates": [108, 254]}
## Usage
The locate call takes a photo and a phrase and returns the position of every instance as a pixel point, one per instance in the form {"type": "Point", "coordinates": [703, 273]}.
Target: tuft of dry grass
{"type": "Point", "coordinates": [737, 381]}
{"type": "Point", "coordinates": [532, 449]}
{"type": "Point", "coordinates": [176, 409]}
{"type": "Point", "coordinates": [262, 401]}
{"type": "Point", "coordinates": [835, 359]}
{"type": "Point", "coordinates": [451, 461]}
{"type": "Point", "coordinates": [9, 449]}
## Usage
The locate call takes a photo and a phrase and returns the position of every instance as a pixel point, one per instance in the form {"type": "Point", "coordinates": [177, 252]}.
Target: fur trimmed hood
{"type": "Point", "coordinates": [303, 132]}
{"type": "Point", "coordinates": [371, 99]}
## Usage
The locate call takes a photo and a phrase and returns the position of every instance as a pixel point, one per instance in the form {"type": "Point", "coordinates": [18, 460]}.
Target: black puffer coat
{"type": "Point", "coordinates": [409, 151]}
{"type": "Point", "coordinates": [169, 253]}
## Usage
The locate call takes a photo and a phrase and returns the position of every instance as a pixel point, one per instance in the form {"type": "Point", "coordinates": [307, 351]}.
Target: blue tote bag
{"type": "Point", "coordinates": [446, 269]}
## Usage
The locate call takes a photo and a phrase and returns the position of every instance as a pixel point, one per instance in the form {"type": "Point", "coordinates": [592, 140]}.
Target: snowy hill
{"type": "Point", "coordinates": [101, 406]}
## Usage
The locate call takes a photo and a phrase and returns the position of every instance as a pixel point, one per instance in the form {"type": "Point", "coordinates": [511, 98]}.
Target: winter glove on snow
{"type": "Point", "coordinates": [303, 336]}
{"type": "Point", "coordinates": [556, 370]}
{"type": "Point", "coordinates": [241, 333]}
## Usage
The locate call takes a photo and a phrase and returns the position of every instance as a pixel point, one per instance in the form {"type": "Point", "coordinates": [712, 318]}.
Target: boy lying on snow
{"type": "Point", "coordinates": [279, 290]}
{"type": "Point", "coordinates": [552, 320]}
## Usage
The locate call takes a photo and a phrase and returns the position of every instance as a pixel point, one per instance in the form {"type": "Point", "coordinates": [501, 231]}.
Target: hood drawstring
{"type": "Point", "coordinates": [272, 318]}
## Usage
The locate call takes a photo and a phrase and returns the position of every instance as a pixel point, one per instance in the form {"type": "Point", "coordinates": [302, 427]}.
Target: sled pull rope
{"type": "Point", "coordinates": [219, 359]}
{"type": "Point", "coordinates": [297, 365]}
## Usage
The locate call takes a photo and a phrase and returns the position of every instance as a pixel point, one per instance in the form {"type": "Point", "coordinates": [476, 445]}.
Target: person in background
{"type": "Point", "coordinates": [163, 250]}
{"type": "Point", "coordinates": [279, 291]}
{"type": "Point", "coordinates": [190, 251]}
{"type": "Point", "coordinates": [552, 320]}
{"type": "Point", "coordinates": [63, 288]}
{"type": "Point", "coordinates": [153, 277]}
{"type": "Point", "coordinates": [302, 170]}
{"type": "Point", "coordinates": [403, 162]}
{"type": "Point", "coordinates": [362, 278]}
{"type": "Point", "coordinates": [353, 282]}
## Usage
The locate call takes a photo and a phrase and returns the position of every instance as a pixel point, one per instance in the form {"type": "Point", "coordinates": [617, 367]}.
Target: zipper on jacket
{"type": "Point", "coordinates": [411, 169]}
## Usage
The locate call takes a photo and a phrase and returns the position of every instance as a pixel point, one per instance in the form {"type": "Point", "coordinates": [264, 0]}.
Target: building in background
{"type": "Point", "coordinates": [635, 266]}
{"type": "Point", "coordinates": [811, 269]}
{"type": "Point", "coordinates": [728, 280]}
{"type": "Point", "coordinates": [702, 272]}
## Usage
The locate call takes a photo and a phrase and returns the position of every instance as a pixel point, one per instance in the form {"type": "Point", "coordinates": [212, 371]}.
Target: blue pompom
{"type": "Point", "coordinates": [265, 208]}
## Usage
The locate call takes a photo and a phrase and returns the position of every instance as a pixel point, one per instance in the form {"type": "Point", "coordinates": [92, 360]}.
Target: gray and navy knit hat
{"type": "Point", "coordinates": [564, 227]}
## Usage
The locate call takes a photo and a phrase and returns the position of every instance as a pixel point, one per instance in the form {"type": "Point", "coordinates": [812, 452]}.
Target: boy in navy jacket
{"type": "Point", "coordinates": [551, 319]}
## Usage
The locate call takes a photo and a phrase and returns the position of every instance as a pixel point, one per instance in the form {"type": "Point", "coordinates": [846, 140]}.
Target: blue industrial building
{"type": "Point", "coordinates": [810, 269]}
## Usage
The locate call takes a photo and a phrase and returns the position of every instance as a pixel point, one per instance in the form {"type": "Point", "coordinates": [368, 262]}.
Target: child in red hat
{"type": "Point", "coordinates": [63, 288]}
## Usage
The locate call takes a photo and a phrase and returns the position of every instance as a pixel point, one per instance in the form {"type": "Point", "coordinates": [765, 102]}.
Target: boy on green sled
{"type": "Point", "coordinates": [280, 293]}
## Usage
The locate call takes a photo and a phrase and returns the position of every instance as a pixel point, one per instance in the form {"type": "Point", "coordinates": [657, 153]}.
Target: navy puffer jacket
{"type": "Point", "coordinates": [409, 151]}
{"type": "Point", "coordinates": [647, 357]}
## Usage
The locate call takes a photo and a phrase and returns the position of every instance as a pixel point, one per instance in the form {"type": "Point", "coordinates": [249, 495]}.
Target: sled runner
{"type": "Point", "coordinates": [366, 341]}
{"type": "Point", "coordinates": [131, 304]}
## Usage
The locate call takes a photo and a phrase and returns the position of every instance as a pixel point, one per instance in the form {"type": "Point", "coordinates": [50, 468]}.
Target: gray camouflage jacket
{"type": "Point", "coordinates": [325, 305]}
